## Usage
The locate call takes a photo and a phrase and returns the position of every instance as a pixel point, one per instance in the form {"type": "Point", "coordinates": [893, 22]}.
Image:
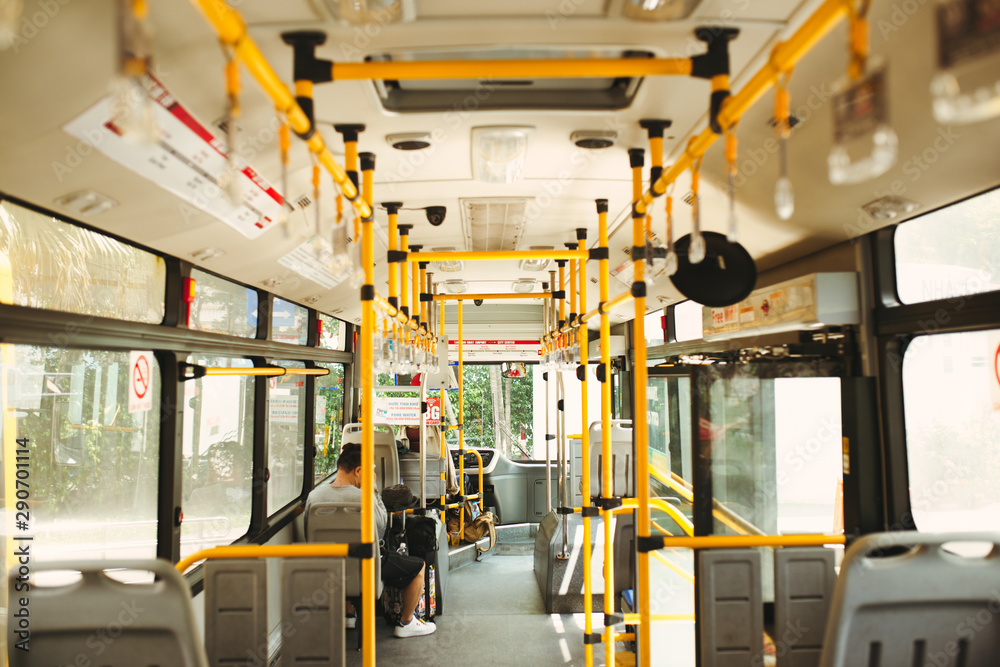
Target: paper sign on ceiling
{"type": "Point", "coordinates": [186, 160]}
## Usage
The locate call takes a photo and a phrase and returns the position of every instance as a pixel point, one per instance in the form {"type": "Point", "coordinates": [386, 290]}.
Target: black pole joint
{"type": "Point", "coordinates": [581, 232]}
{"type": "Point", "coordinates": [713, 62]}
{"type": "Point", "coordinates": [636, 157]}
{"type": "Point", "coordinates": [392, 207]}
{"type": "Point", "coordinates": [367, 161]}
{"type": "Point", "coordinates": [602, 205]}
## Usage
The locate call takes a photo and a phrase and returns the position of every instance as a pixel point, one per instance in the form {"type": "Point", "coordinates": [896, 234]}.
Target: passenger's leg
{"type": "Point", "coordinates": [411, 596]}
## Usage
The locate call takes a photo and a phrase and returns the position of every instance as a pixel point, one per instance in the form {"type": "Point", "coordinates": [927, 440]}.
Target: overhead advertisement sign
{"type": "Point", "coordinates": [496, 350]}
{"type": "Point", "coordinates": [186, 159]}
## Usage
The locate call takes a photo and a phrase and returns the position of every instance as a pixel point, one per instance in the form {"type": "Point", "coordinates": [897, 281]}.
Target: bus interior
{"type": "Point", "coordinates": [680, 319]}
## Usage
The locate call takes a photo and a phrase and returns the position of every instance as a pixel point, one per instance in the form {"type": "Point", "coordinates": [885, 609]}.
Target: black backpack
{"type": "Point", "coordinates": [421, 537]}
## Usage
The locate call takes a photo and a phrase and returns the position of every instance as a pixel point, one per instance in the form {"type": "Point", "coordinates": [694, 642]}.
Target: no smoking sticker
{"type": "Point", "coordinates": [140, 390]}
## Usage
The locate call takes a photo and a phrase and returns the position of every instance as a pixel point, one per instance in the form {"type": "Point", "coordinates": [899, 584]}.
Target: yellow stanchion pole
{"type": "Point", "coordinates": [393, 209]}
{"type": "Point", "coordinates": [444, 444]}
{"type": "Point", "coordinates": [367, 419]}
{"type": "Point", "coordinates": [404, 274]}
{"type": "Point", "coordinates": [607, 483]}
{"type": "Point", "coordinates": [461, 422]}
{"type": "Point", "coordinates": [588, 556]}
{"type": "Point", "coordinates": [639, 426]}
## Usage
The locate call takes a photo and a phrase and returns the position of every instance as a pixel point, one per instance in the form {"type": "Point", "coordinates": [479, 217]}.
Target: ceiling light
{"type": "Point", "coordinates": [890, 207]}
{"type": "Point", "coordinates": [594, 139]}
{"type": "Point", "coordinates": [535, 264]}
{"type": "Point", "coordinates": [498, 153]}
{"type": "Point", "coordinates": [206, 254]}
{"type": "Point", "coordinates": [447, 265]}
{"type": "Point", "coordinates": [523, 285]}
{"type": "Point", "coordinates": [456, 286]}
{"type": "Point", "coordinates": [378, 12]}
{"type": "Point", "coordinates": [86, 202]}
{"type": "Point", "coordinates": [409, 141]}
{"type": "Point", "coordinates": [658, 10]}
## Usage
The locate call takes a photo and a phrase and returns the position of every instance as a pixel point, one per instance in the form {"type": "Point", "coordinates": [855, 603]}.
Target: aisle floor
{"type": "Point", "coordinates": [494, 615]}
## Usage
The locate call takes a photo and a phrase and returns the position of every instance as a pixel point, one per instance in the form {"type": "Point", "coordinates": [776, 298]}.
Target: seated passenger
{"type": "Point", "coordinates": [403, 572]}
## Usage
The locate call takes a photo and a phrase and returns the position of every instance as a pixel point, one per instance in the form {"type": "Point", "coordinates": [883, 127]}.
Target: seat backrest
{"type": "Point", "coordinates": [621, 458]}
{"type": "Point", "coordinates": [925, 606]}
{"type": "Point", "coordinates": [105, 621]}
{"type": "Point", "coordinates": [386, 455]}
{"type": "Point", "coordinates": [340, 523]}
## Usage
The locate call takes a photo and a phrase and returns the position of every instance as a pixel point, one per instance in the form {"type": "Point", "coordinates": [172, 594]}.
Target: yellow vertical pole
{"type": "Point", "coordinates": [588, 600]}
{"type": "Point", "coordinates": [461, 422]}
{"type": "Point", "coordinates": [444, 444]}
{"type": "Point", "coordinates": [425, 305]}
{"type": "Point", "coordinates": [393, 209]}
{"type": "Point", "coordinates": [639, 426]}
{"type": "Point", "coordinates": [415, 308]}
{"type": "Point", "coordinates": [404, 292]}
{"type": "Point", "coordinates": [606, 479]}
{"type": "Point", "coordinates": [367, 420]}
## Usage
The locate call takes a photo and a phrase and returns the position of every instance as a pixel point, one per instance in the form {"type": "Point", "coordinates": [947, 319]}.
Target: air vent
{"type": "Point", "coordinates": [793, 120]}
{"type": "Point", "coordinates": [303, 201]}
{"type": "Point", "coordinates": [689, 198]}
{"type": "Point", "coordinates": [493, 224]}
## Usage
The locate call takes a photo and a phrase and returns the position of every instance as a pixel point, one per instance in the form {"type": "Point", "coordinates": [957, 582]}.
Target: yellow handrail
{"type": "Point", "coordinates": [469, 255]}
{"type": "Point", "coordinates": [511, 68]}
{"type": "Point", "coordinates": [232, 30]}
{"type": "Point", "coordinates": [264, 371]}
{"type": "Point", "coordinates": [719, 511]}
{"type": "Point", "coordinates": [783, 58]}
{"type": "Point", "coordinates": [743, 541]}
{"type": "Point", "coordinates": [487, 297]}
{"type": "Point", "coordinates": [265, 551]}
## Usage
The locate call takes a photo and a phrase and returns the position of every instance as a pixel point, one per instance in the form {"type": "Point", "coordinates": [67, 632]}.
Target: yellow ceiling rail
{"type": "Point", "coordinates": [232, 30]}
{"type": "Point", "coordinates": [470, 255]}
{"type": "Point", "coordinates": [267, 551]}
{"type": "Point", "coordinates": [784, 57]}
{"type": "Point", "coordinates": [486, 70]}
{"type": "Point", "coordinates": [504, 295]}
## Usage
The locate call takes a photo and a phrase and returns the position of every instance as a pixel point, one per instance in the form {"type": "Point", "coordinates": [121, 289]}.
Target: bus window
{"type": "Point", "coordinates": [687, 321]}
{"type": "Point", "coordinates": [499, 411]}
{"type": "Point", "coordinates": [331, 337]}
{"type": "Point", "coordinates": [289, 323]}
{"type": "Point", "coordinates": [952, 252]}
{"type": "Point", "coordinates": [58, 266]}
{"type": "Point", "coordinates": [286, 436]}
{"type": "Point", "coordinates": [218, 456]}
{"type": "Point", "coordinates": [653, 328]}
{"type": "Point", "coordinates": [92, 465]}
{"type": "Point", "coordinates": [951, 400]}
{"type": "Point", "coordinates": [222, 306]}
{"type": "Point", "coordinates": [329, 419]}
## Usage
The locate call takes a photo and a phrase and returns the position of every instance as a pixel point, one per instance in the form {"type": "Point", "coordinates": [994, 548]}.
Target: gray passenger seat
{"type": "Point", "coordinates": [100, 621]}
{"type": "Point", "coordinates": [921, 606]}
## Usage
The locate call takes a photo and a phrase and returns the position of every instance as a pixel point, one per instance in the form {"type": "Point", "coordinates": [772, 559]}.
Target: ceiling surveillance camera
{"type": "Point", "coordinates": [478, 302]}
{"type": "Point", "coordinates": [435, 214]}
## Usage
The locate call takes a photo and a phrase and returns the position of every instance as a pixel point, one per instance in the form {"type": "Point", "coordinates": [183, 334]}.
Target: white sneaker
{"type": "Point", "coordinates": [415, 628]}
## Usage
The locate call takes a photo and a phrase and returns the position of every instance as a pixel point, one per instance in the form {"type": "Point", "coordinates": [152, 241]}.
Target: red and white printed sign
{"type": "Point", "coordinates": [433, 411]}
{"type": "Point", "coordinates": [140, 384]}
{"type": "Point", "coordinates": [187, 159]}
{"type": "Point", "coordinates": [495, 350]}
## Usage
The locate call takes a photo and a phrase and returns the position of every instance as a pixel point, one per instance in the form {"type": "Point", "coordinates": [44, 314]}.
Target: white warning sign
{"type": "Point", "coordinates": [140, 381]}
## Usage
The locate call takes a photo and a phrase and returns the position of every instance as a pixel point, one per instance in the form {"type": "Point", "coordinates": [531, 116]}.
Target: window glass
{"type": "Point", "coordinates": [223, 306]}
{"type": "Point", "coordinates": [286, 436]}
{"type": "Point", "coordinates": [687, 321]}
{"type": "Point", "coordinates": [951, 398]}
{"type": "Point", "coordinates": [218, 456]}
{"type": "Point", "coordinates": [653, 328]}
{"type": "Point", "coordinates": [58, 266]}
{"type": "Point", "coordinates": [91, 469]}
{"type": "Point", "coordinates": [329, 419]}
{"type": "Point", "coordinates": [289, 323]}
{"type": "Point", "coordinates": [332, 335]}
{"type": "Point", "coordinates": [952, 252]}
{"type": "Point", "coordinates": [776, 453]}
{"type": "Point", "coordinates": [499, 412]}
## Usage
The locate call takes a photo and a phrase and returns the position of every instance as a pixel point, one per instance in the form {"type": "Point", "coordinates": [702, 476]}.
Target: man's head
{"type": "Point", "coordinates": [349, 463]}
